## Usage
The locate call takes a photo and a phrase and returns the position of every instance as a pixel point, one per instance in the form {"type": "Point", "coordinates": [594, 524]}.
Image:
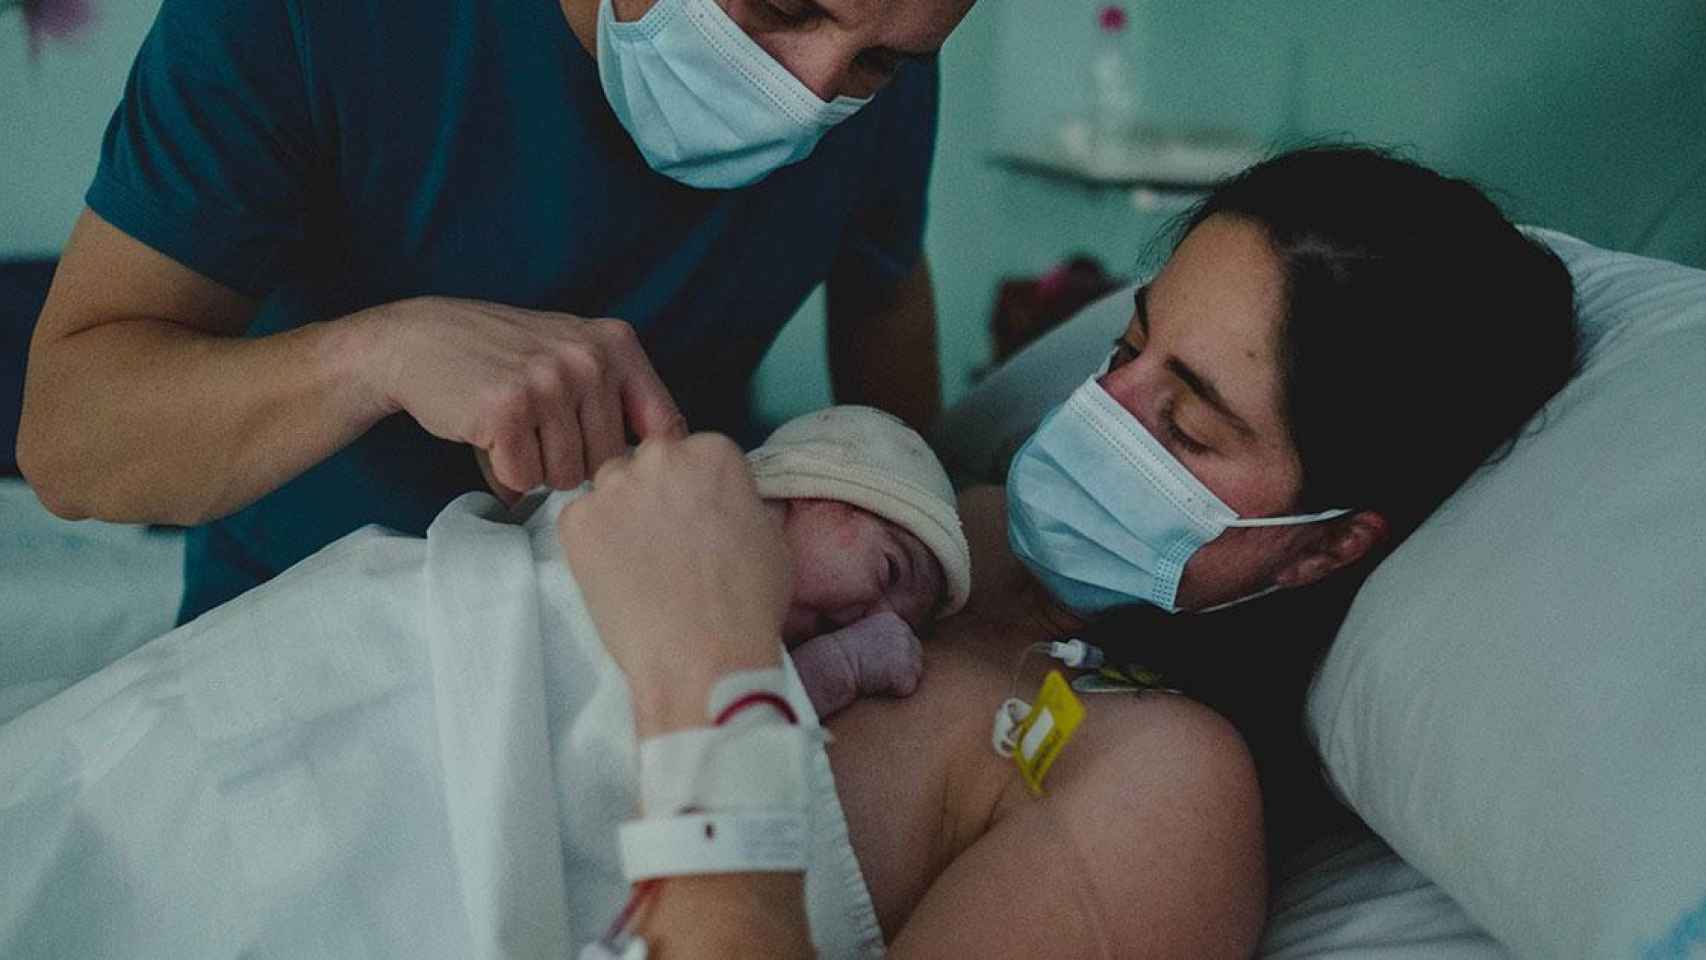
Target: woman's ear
{"type": "Point", "coordinates": [1341, 543]}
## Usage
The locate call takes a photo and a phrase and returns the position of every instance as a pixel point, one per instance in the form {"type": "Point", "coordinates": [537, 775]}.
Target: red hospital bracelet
{"type": "Point", "coordinates": [753, 698]}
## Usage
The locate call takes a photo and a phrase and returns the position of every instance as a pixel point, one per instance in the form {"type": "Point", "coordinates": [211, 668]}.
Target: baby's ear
{"type": "Point", "coordinates": [1345, 541]}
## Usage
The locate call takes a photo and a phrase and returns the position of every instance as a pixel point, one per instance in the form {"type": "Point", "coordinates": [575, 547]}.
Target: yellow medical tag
{"type": "Point", "coordinates": [1045, 730]}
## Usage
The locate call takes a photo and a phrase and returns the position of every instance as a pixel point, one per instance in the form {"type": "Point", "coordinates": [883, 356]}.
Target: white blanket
{"type": "Point", "coordinates": [400, 747]}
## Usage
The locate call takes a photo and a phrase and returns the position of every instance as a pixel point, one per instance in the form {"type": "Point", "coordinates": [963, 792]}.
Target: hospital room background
{"type": "Point", "coordinates": [1585, 116]}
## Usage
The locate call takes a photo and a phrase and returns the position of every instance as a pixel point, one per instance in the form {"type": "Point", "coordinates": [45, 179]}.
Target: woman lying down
{"type": "Point", "coordinates": [422, 748]}
{"type": "Point", "coordinates": [451, 747]}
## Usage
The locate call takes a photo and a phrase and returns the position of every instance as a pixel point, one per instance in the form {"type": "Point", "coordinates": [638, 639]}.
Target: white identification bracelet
{"type": "Point", "coordinates": [697, 843]}
{"type": "Point", "coordinates": [726, 768]}
{"type": "Point", "coordinates": [739, 685]}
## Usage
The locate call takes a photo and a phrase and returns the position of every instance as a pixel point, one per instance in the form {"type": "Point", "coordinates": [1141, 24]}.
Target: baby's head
{"type": "Point", "coordinates": [870, 520]}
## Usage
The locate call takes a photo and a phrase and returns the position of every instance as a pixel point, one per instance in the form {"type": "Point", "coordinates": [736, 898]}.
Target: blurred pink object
{"type": "Point", "coordinates": [879, 655]}
{"type": "Point", "coordinates": [1112, 18]}
{"type": "Point", "coordinates": [55, 19]}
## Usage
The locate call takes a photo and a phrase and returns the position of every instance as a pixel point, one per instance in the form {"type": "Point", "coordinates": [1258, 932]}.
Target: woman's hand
{"type": "Point", "coordinates": [684, 571]}
{"type": "Point", "coordinates": [544, 398]}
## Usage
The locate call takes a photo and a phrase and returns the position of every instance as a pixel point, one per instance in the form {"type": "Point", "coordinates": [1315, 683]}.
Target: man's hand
{"type": "Point", "coordinates": [684, 571]}
{"type": "Point", "coordinates": [544, 398]}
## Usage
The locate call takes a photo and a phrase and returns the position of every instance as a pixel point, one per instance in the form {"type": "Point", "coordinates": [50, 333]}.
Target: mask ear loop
{"type": "Point", "coordinates": [1288, 521]}
{"type": "Point", "coordinates": [1259, 594]}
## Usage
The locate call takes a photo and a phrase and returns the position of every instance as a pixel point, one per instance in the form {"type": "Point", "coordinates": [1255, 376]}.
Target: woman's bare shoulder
{"type": "Point", "coordinates": [1147, 842]}
{"type": "Point", "coordinates": [1157, 801]}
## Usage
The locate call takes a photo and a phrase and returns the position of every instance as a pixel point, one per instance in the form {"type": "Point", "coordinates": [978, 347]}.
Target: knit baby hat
{"type": "Point", "coordinates": [871, 460]}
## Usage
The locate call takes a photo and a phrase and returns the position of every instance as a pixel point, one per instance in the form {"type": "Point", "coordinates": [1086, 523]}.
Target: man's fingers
{"type": "Point", "coordinates": [515, 459]}
{"type": "Point", "coordinates": [646, 403]}
{"type": "Point", "coordinates": [560, 450]}
{"type": "Point", "coordinates": [601, 428]}
{"type": "Point", "coordinates": [503, 493]}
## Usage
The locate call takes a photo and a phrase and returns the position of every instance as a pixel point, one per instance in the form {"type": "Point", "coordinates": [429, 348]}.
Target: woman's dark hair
{"type": "Point", "coordinates": [1421, 331]}
{"type": "Point", "coordinates": [1421, 328]}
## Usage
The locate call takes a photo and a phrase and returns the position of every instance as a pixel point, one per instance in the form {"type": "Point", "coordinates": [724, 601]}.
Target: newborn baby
{"type": "Point", "coordinates": [877, 552]}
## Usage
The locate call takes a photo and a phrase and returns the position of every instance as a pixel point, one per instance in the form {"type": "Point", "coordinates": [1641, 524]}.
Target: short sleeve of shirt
{"type": "Point", "coordinates": [209, 155]}
{"type": "Point", "coordinates": [886, 238]}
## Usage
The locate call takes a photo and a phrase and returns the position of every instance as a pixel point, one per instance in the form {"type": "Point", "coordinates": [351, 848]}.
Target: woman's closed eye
{"type": "Point", "coordinates": [1170, 424]}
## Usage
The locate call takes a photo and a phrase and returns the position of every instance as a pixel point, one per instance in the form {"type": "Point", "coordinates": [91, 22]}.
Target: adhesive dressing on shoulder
{"type": "Point", "coordinates": [1045, 730]}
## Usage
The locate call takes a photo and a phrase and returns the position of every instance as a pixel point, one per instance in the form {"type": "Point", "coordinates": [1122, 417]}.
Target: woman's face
{"type": "Point", "coordinates": [848, 564]}
{"type": "Point", "coordinates": [1203, 376]}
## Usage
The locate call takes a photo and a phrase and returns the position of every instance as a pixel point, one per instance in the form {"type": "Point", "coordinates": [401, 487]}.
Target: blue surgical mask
{"type": "Point", "coordinates": [703, 101]}
{"type": "Point", "coordinates": [1104, 515]}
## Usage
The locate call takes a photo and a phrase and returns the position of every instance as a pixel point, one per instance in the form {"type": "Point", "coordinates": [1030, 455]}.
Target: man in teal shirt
{"type": "Point", "coordinates": [333, 245]}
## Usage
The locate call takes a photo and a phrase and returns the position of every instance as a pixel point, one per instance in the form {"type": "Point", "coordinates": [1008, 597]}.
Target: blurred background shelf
{"type": "Point", "coordinates": [1181, 162]}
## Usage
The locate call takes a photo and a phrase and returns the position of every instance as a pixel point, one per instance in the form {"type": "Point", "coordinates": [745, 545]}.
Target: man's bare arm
{"type": "Point", "coordinates": [882, 352]}
{"type": "Point", "coordinates": [143, 403]}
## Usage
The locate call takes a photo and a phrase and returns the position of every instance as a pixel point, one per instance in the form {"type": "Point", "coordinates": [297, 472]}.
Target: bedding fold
{"type": "Point", "coordinates": [398, 748]}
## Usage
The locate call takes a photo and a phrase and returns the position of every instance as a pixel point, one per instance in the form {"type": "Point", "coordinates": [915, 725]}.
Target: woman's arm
{"type": "Point", "coordinates": [686, 577]}
{"type": "Point", "coordinates": [1148, 843]}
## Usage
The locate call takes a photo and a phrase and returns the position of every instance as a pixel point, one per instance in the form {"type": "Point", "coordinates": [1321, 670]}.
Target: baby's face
{"type": "Point", "coordinates": [849, 564]}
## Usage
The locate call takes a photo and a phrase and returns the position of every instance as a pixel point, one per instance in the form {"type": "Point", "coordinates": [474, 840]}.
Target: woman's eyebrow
{"type": "Point", "coordinates": [1198, 384]}
{"type": "Point", "coordinates": [1205, 389]}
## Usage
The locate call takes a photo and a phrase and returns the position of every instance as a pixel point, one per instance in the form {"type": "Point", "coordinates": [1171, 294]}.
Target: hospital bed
{"type": "Point", "coordinates": [74, 596]}
{"type": "Point", "coordinates": [79, 595]}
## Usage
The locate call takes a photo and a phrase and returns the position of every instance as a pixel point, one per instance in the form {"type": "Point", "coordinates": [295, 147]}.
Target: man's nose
{"type": "Point", "coordinates": [824, 61]}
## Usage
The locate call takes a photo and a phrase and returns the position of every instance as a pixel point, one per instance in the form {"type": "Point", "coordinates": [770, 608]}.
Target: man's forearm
{"type": "Point", "coordinates": [883, 352]}
{"type": "Point", "coordinates": [151, 421]}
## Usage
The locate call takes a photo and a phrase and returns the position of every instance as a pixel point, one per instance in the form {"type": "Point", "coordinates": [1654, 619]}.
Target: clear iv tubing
{"type": "Point", "coordinates": [1025, 654]}
{"type": "Point", "coordinates": [1074, 653]}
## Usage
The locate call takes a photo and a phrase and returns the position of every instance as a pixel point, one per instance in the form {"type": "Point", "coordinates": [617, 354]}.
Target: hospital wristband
{"type": "Point", "coordinates": [726, 768]}
{"type": "Point", "coordinates": [767, 686]}
{"type": "Point", "coordinates": [757, 841]}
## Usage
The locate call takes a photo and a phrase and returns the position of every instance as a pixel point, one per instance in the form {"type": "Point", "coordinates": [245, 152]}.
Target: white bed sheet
{"type": "Point", "coordinates": [75, 596]}
{"type": "Point", "coordinates": [1361, 901]}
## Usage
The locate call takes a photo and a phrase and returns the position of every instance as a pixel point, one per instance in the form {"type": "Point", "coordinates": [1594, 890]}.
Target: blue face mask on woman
{"type": "Point", "coordinates": [706, 105]}
{"type": "Point", "coordinates": [1104, 515]}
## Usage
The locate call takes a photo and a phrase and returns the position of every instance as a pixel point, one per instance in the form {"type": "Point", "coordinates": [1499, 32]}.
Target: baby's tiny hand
{"type": "Point", "coordinates": [879, 655]}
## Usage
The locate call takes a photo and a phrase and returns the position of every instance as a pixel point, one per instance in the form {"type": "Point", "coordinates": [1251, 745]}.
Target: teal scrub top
{"type": "Point", "coordinates": [324, 156]}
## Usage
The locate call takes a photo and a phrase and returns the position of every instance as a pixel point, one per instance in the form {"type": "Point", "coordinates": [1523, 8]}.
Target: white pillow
{"type": "Point", "coordinates": [984, 428]}
{"type": "Point", "coordinates": [1517, 701]}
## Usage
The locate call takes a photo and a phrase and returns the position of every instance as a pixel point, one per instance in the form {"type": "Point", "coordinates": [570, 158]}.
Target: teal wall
{"type": "Point", "coordinates": [52, 114]}
{"type": "Point", "coordinates": [1584, 115]}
